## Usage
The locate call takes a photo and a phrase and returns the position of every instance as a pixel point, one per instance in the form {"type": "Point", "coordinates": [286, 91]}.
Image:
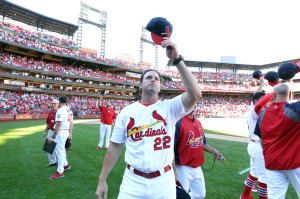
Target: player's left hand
{"type": "Point", "coordinates": [218, 155]}
{"type": "Point", "coordinates": [50, 140]}
{"type": "Point", "coordinates": [171, 48]}
{"type": "Point", "coordinates": [70, 137]}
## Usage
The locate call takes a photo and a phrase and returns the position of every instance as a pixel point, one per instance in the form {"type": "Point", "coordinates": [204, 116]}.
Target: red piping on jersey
{"type": "Point", "coordinates": [147, 104]}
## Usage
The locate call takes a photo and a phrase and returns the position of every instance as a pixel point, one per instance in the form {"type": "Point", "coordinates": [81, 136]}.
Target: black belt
{"type": "Point", "coordinates": [149, 175]}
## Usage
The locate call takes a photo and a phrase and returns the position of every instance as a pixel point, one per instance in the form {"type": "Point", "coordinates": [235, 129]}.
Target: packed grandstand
{"type": "Point", "coordinates": [36, 67]}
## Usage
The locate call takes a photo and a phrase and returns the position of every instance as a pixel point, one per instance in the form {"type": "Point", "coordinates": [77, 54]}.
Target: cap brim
{"type": "Point", "coordinates": [156, 39]}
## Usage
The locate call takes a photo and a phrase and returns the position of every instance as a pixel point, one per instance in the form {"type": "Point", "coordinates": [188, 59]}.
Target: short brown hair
{"type": "Point", "coordinates": [146, 71]}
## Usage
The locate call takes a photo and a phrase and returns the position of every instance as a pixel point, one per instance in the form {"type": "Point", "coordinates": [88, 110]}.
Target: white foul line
{"type": "Point", "coordinates": [244, 171]}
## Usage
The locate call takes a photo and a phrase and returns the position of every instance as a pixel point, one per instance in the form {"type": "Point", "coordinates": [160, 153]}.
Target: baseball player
{"type": "Point", "coordinates": [147, 128]}
{"type": "Point", "coordinates": [63, 130]}
{"type": "Point", "coordinates": [278, 126]}
{"type": "Point", "coordinates": [50, 129]}
{"type": "Point", "coordinates": [108, 117]}
{"type": "Point", "coordinates": [257, 165]}
{"type": "Point", "coordinates": [189, 144]}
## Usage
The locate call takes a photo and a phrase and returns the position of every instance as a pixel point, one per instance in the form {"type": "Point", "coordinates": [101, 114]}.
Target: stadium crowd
{"type": "Point", "coordinates": [13, 103]}
{"type": "Point", "coordinates": [81, 71]}
{"type": "Point", "coordinates": [17, 36]}
{"type": "Point", "coordinates": [37, 35]}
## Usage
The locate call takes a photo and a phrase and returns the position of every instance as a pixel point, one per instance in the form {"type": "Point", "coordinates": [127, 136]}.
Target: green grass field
{"type": "Point", "coordinates": [23, 174]}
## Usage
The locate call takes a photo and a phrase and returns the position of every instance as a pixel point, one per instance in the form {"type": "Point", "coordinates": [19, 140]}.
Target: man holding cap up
{"type": "Point", "coordinates": [50, 128]}
{"type": "Point", "coordinates": [108, 117]}
{"type": "Point", "coordinates": [147, 128]}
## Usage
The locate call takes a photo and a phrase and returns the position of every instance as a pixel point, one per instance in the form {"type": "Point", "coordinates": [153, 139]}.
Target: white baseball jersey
{"type": "Point", "coordinates": [252, 120]}
{"type": "Point", "coordinates": [148, 132]}
{"type": "Point", "coordinates": [65, 115]}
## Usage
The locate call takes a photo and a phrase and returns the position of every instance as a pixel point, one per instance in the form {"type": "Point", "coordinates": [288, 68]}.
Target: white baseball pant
{"type": "Point", "coordinates": [192, 179]}
{"type": "Point", "coordinates": [278, 182]}
{"type": "Point", "coordinates": [257, 161]}
{"type": "Point", "coordinates": [137, 187]}
{"type": "Point", "coordinates": [51, 157]}
{"type": "Point", "coordinates": [105, 129]}
{"type": "Point", "coordinates": [60, 150]}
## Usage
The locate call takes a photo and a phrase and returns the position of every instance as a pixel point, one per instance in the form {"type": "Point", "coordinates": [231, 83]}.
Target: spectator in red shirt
{"type": "Point", "coordinates": [108, 117]}
{"type": "Point", "coordinates": [50, 128]}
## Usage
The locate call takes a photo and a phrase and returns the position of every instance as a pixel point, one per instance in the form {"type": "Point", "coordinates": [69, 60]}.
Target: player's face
{"type": "Point", "coordinates": [108, 104]}
{"type": "Point", "coordinates": [151, 83]}
{"type": "Point", "coordinates": [55, 106]}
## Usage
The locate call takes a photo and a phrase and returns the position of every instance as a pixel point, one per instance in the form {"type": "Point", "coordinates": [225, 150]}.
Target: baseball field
{"type": "Point", "coordinates": [23, 174]}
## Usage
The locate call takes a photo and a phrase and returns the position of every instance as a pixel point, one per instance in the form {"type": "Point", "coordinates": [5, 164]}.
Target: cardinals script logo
{"type": "Point", "coordinates": [195, 142]}
{"type": "Point", "coordinates": [137, 133]}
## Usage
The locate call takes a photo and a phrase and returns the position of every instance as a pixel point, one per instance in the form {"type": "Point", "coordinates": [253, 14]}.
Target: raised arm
{"type": "Point", "coordinates": [262, 83]}
{"type": "Point", "coordinates": [193, 91]}
{"type": "Point", "coordinates": [100, 101]}
{"type": "Point", "coordinates": [111, 157]}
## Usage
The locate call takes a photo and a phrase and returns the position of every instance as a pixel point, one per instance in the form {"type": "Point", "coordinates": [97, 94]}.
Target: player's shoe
{"type": "Point", "coordinates": [253, 189]}
{"type": "Point", "coordinates": [98, 147]}
{"type": "Point", "coordinates": [57, 175]}
{"type": "Point", "coordinates": [67, 167]}
{"type": "Point", "coordinates": [246, 197]}
{"type": "Point", "coordinates": [51, 165]}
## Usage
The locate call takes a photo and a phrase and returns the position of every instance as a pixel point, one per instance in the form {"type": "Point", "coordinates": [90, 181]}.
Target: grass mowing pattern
{"type": "Point", "coordinates": [23, 174]}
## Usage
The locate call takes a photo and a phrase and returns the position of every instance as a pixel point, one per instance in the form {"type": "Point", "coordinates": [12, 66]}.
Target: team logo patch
{"type": "Point", "coordinates": [140, 132]}
{"type": "Point", "coordinates": [195, 142]}
{"type": "Point", "coordinates": [58, 116]}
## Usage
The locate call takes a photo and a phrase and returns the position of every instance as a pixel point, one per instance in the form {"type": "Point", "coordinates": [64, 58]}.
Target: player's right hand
{"type": "Point", "coordinates": [101, 190]}
{"type": "Point", "coordinates": [44, 134]}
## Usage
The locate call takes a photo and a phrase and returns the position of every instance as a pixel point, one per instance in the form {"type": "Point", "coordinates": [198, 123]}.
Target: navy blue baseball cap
{"type": "Point", "coordinates": [159, 27]}
{"type": "Point", "coordinates": [272, 78]}
{"type": "Point", "coordinates": [257, 74]}
{"type": "Point", "coordinates": [287, 71]}
{"type": "Point", "coordinates": [102, 91]}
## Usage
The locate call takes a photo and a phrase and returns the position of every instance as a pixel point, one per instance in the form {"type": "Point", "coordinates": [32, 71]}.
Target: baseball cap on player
{"type": "Point", "coordinates": [257, 74]}
{"type": "Point", "coordinates": [102, 91]}
{"type": "Point", "coordinates": [272, 78]}
{"type": "Point", "coordinates": [159, 27]}
{"type": "Point", "coordinates": [63, 99]}
{"type": "Point", "coordinates": [287, 71]}
{"type": "Point", "coordinates": [55, 101]}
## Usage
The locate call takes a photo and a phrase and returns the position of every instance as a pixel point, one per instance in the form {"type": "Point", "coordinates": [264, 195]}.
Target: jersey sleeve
{"type": "Point", "coordinates": [204, 139]}
{"type": "Point", "coordinates": [114, 115]}
{"type": "Point", "coordinates": [295, 106]}
{"type": "Point", "coordinates": [48, 118]}
{"type": "Point", "coordinates": [177, 130]}
{"type": "Point", "coordinates": [257, 131]}
{"type": "Point", "coordinates": [262, 103]}
{"type": "Point", "coordinates": [177, 108]}
{"type": "Point", "coordinates": [59, 116]}
{"type": "Point", "coordinates": [119, 132]}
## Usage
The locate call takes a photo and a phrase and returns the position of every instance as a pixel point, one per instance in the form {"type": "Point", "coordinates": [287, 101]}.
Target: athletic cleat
{"type": "Point", "coordinates": [253, 189]}
{"type": "Point", "coordinates": [98, 147]}
{"type": "Point", "coordinates": [51, 165]}
{"type": "Point", "coordinates": [246, 197]}
{"type": "Point", "coordinates": [57, 175]}
{"type": "Point", "coordinates": [67, 167]}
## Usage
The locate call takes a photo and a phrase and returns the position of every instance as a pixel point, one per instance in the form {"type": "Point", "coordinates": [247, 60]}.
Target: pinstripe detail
{"type": "Point", "coordinates": [291, 114]}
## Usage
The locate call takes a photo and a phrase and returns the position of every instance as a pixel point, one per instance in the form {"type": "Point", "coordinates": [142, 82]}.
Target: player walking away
{"type": "Point", "coordinates": [278, 126]}
{"type": "Point", "coordinates": [50, 129]}
{"type": "Point", "coordinates": [63, 130]}
{"type": "Point", "coordinates": [108, 117]}
{"type": "Point", "coordinates": [147, 128]}
{"type": "Point", "coordinates": [257, 164]}
{"type": "Point", "coordinates": [189, 144]}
